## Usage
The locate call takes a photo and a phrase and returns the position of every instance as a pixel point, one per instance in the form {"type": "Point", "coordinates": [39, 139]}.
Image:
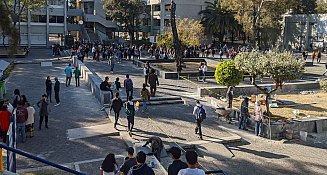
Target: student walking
{"type": "Point", "coordinates": [44, 111]}
{"type": "Point", "coordinates": [68, 72]}
{"type": "Point", "coordinates": [48, 88]}
{"type": "Point", "coordinates": [77, 74]}
{"type": "Point", "coordinates": [128, 84]}
{"type": "Point", "coordinates": [30, 120]}
{"type": "Point", "coordinates": [56, 91]}
{"type": "Point", "coordinates": [130, 112]}
{"type": "Point", "coordinates": [154, 82]}
{"type": "Point", "coordinates": [146, 71]}
{"type": "Point", "coordinates": [200, 115]}
{"type": "Point", "coordinates": [145, 96]}
{"type": "Point", "coordinates": [116, 105]}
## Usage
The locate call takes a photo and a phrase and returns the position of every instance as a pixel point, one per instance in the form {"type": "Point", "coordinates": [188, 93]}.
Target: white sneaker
{"type": "Point", "coordinates": [57, 104]}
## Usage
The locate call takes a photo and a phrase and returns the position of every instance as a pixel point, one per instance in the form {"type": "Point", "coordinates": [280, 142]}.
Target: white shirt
{"type": "Point", "coordinates": [10, 108]}
{"type": "Point", "coordinates": [189, 171]}
{"type": "Point", "coordinates": [204, 68]}
{"type": "Point", "coordinates": [197, 108]}
{"type": "Point", "coordinates": [31, 112]}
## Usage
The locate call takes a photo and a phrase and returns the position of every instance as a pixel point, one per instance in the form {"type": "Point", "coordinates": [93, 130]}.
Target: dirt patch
{"type": "Point", "coordinates": [5, 51]}
{"type": "Point", "coordinates": [307, 105]}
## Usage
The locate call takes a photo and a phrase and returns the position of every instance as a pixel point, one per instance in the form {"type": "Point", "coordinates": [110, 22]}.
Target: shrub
{"type": "Point", "coordinates": [227, 74]}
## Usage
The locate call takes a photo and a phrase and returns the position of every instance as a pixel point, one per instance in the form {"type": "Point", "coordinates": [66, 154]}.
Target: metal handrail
{"type": "Point", "coordinates": [215, 172]}
{"type": "Point", "coordinates": [40, 160]}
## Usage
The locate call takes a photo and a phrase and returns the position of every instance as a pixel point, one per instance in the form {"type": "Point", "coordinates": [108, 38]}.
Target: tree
{"type": "Point", "coordinates": [217, 21]}
{"type": "Point", "coordinates": [127, 13]}
{"type": "Point", "coordinates": [227, 74]}
{"type": "Point", "coordinates": [280, 67]}
{"type": "Point", "coordinates": [189, 31]}
{"type": "Point", "coordinates": [7, 28]}
{"type": "Point", "coordinates": [321, 8]}
{"type": "Point", "coordinates": [175, 38]}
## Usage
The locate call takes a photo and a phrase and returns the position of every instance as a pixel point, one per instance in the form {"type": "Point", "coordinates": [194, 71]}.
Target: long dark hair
{"type": "Point", "coordinates": [108, 165]}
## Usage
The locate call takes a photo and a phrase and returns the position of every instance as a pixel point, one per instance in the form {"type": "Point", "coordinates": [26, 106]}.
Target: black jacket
{"type": "Point", "coordinates": [48, 84]}
{"type": "Point", "coordinates": [128, 164]}
{"type": "Point", "coordinates": [153, 80]}
{"type": "Point", "coordinates": [116, 104]}
{"type": "Point", "coordinates": [57, 86]}
{"type": "Point", "coordinates": [142, 169]}
{"type": "Point", "coordinates": [177, 165]}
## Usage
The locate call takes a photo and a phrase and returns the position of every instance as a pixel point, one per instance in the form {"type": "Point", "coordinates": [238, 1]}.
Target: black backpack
{"type": "Point", "coordinates": [202, 113]}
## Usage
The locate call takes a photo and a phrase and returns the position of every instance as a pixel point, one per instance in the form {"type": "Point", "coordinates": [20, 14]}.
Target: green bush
{"type": "Point", "coordinates": [227, 74]}
{"type": "Point", "coordinates": [323, 84]}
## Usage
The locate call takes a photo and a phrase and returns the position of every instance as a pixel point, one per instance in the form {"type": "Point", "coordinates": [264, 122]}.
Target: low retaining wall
{"type": "Point", "coordinates": [93, 81]}
{"type": "Point", "coordinates": [250, 89]}
{"type": "Point", "coordinates": [172, 75]}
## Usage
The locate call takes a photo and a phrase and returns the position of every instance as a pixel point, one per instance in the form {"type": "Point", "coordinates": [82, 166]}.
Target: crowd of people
{"type": "Point", "coordinates": [137, 165]}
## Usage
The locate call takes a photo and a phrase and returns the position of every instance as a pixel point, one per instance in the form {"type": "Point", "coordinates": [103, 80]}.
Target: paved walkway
{"type": "Point", "coordinates": [79, 108]}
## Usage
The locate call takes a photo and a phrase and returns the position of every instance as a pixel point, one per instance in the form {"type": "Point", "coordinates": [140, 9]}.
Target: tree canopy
{"type": "Point", "coordinates": [227, 74]}
{"type": "Point", "coordinates": [127, 13]}
{"type": "Point", "coordinates": [189, 31]}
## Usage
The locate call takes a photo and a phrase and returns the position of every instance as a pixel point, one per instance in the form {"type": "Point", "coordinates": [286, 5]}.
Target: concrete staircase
{"type": "Point", "coordinates": [162, 100]}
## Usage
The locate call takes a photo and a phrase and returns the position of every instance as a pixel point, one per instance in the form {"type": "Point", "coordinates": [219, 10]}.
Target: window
{"type": "Point", "coordinates": [157, 7]}
{"type": "Point", "coordinates": [60, 19]}
{"type": "Point", "coordinates": [23, 18]}
{"type": "Point", "coordinates": [56, 2]}
{"type": "Point", "coordinates": [167, 22]}
{"type": "Point", "coordinates": [156, 22]}
{"type": "Point", "coordinates": [168, 7]}
{"type": "Point", "coordinates": [56, 19]}
{"type": "Point", "coordinates": [42, 18]}
{"type": "Point", "coordinates": [52, 19]}
{"type": "Point", "coordinates": [34, 18]}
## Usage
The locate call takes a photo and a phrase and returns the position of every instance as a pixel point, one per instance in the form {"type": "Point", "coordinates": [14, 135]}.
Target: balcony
{"type": "Point", "coordinates": [75, 12]}
{"type": "Point", "coordinates": [74, 27]}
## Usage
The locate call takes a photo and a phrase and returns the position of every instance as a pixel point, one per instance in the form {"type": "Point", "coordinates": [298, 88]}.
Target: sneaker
{"type": "Point", "coordinates": [130, 133]}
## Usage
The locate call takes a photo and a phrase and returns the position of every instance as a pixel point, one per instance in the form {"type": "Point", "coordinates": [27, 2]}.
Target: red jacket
{"type": "Point", "coordinates": [4, 120]}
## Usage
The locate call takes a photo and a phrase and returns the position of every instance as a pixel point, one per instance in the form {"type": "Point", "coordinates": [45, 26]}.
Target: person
{"type": "Point", "coordinates": [116, 105]}
{"type": "Point", "coordinates": [56, 91]}
{"type": "Point", "coordinates": [156, 146]}
{"type": "Point", "coordinates": [197, 112]}
{"type": "Point", "coordinates": [229, 96]}
{"type": "Point", "coordinates": [48, 89]}
{"type": "Point", "coordinates": [318, 56]}
{"type": "Point", "coordinates": [145, 96]}
{"type": "Point", "coordinates": [313, 56]}
{"type": "Point", "coordinates": [129, 162]}
{"type": "Point", "coordinates": [44, 111]}
{"type": "Point", "coordinates": [258, 119]}
{"type": "Point", "coordinates": [192, 162]}
{"type": "Point", "coordinates": [128, 84]}
{"type": "Point", "coordinates": [154, 82]}
{"type": "Point", "coordinates": [77, 74]}
{"type": "Point", "coordinates": [141, 168]}
{"type": "Point", "coordinates": [117, 84]}
{"type": "Point", "coordinates": [109, 165]}
{"type": "Point", "coordinates": [16, 98]}
{"type": "Point", "coordinates": [105, 86]}
{"type": "Point", "coordinates": [179, 68]}
{"type": "Point", "coordinates": [146, 71]}
{"type": "Point", "coordinates": [111, 62]}
{"type": "Point", "coordinates": [177, 164]}
{"type": "Point", "coordinates": [204, 71]}
{"type": "Point", "coordinates": [130, 112]}
{"type": "Point", "coordinates": [4, 122]}
{"type": "Point", "coordinates": [244, 113]}
{"type": "Point", "coordinates": [200, 71]}
{"type": "Point", "coordinates": [21, 118]}
{"type": "Point", "coordinates": [30, 120]}
{"type": "Point", "coordinates": [68, 72]}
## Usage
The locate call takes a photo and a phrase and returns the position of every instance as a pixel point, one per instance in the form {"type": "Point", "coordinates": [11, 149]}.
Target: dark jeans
{"type": "Point", "coordinates": [116, 118]}
{"type": "Point", "coordinates": [68, 79]}
{"type": "Point", "coordinates": [258, 128]}
{"type": "Point", "coordinates": [198, 129]}
{"type": "Point", "coordinates": [130, 120]}
{"type": "Point", "coordinates": [49, 93]}
{"type": "Point", "coordinates": [129, 93]}
{"type": "Point", "coordinates": [242, 124]}
{"type": "Point", "coordinates": [57, 97]}
{"type": "Point", "coordinates": [153, 90]}
{"type": "Point", "coordinates": [146, 79]}
{"type": "Point", "coordinates": [41, 121]}
{"type": "Point", "coordinates": [77, 81]}
{"type": "Point", "coordinates": [4, 136]}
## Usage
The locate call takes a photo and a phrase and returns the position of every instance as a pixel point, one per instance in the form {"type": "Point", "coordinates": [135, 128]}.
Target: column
{"type": "Point", "coordinates": [162, 16]}
{"type": "Point", "coordinates": [47, 25]}
{"type": "Point", "coordinates": [29, 28]}
{"type": "Point", "coordinates": [151, 18]}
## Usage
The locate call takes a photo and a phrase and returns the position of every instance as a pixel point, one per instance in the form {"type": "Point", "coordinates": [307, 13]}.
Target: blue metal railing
{"type": "Point", "coordinates": [216, 172]}
{"type": "Point", "coordinates": [40, 159]}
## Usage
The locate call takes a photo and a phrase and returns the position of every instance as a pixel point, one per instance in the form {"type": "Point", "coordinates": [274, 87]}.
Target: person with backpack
{"type": "Point", "coordinates": [116, 105]}
{"type": "Point", "coordinates": [130, 112]}
{"type": "Point", "coordinates": [128, 84]}
{"type": "Point", "coordinates": [200, 114]}
{"type": "Point", "coordinates": [21, 118]}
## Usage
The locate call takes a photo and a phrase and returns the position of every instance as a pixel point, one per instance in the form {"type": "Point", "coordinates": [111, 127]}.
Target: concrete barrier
{"type": "Point", "coordinates": [251, 89]}
{"type": "Point", "coordinates": [93, 81]}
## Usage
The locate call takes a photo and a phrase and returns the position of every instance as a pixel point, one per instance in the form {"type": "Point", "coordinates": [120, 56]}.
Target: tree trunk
{"type": "Point", "coordinates": [177, 44]}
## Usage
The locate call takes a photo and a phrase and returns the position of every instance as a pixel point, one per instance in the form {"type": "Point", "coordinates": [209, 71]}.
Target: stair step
{"type": "Point", "coordinates": [160, 98]}
{"type": "Point", "coordinates": [164, 102]}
